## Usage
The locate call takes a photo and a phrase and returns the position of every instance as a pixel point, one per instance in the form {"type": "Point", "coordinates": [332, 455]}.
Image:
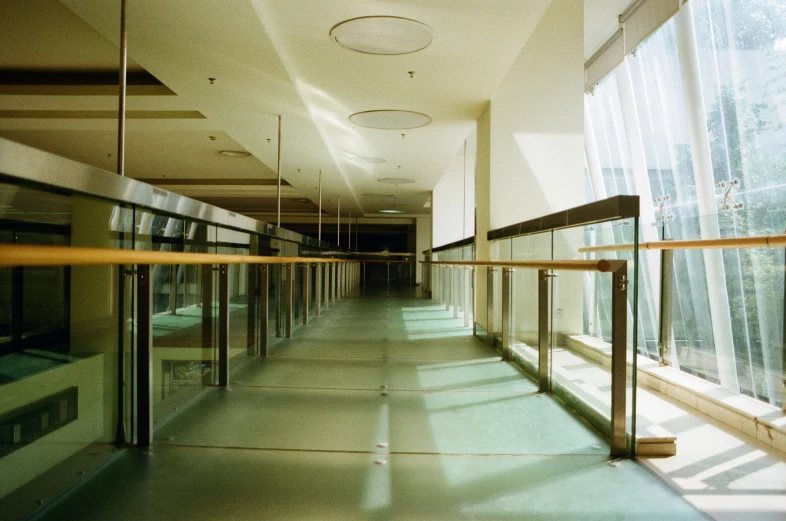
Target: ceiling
{"type": "Point", "coordinates": [267, 58]}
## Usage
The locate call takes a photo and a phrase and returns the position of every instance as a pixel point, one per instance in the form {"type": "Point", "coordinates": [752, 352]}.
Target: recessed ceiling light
{"type": "Point", "coordinates": [395, 180]}
{"type": "Point", "coordinates": [359, 159]}
{"type": "Point", "coordinates": [234, 153]}
{"type": "Point", "coordinates": [303, 200]}
{"type": "Point", "coordinates": [391, 211]}
{"type": "Point", "coordinates": [386, 35]}
{"type": "Point", "coordinates": [390, 119]}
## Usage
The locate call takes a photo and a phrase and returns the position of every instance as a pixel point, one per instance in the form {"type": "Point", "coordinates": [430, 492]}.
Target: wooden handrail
{"type": "Point", "coordinates": [762, 241]}
{"type": "Point", "coordinates": [25, 255]}
{"type": "Point", "coordinates": [602, 265]}
{"type": "Point", "coordinates": [380, 261]}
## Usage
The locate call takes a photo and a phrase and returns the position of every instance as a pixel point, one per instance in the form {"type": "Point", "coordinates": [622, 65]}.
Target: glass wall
{"type": "Point", "coordinates": [68, 334]}
{"type": "Point", "coordinates": [577, 309]}
{"type": "Point", "coordinates": [64, 400]}
{"type": "Point", "coordinates": [453, 285]}
{"type": "Point", "coordinates": [693, 122]}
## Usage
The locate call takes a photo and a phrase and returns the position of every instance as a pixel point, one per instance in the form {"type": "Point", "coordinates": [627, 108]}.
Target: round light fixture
{"type": "Point", "coordinates": [390, 119]}
{"type": "Point", "coordinates": [385, 35]}
{"type": "Point", "coordinates": [391, 211]}
{"type": "Point", "coordinates": [395, 180]}
{"type": "Point", "coordinates": [359, 159]}
{"type": "Point", "coordinates": [234, 153]}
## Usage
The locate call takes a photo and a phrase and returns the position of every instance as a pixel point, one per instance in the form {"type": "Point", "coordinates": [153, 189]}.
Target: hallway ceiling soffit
{"type": "Point", "coordinates": [276, 57]}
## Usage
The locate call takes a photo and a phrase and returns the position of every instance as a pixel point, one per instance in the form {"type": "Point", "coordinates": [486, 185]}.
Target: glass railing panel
{"type": "Point", "coordinates": [185, 312]}
{"type": "Point", "coordinates": [59, 349]}
{"type": "Point", "coordinates": [524, 318]}
{"type": "Point", "coordinates": [241, 314]}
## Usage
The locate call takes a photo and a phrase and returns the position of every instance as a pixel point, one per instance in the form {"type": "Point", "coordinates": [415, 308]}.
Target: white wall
{"type": "Point", "coordinates": [453, 202]}
{"type": "Point", "coordinates": [537, 120]}
{"type": "Point", "coordinates": [482, 203]}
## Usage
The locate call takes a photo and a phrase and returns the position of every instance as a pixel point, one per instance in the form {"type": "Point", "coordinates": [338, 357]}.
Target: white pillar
{"type": "Point", "coordinates": [705, 193]}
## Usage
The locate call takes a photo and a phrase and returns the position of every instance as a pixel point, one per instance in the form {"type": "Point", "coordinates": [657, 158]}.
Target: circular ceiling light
{"type": "Point", "coordinates": [395, 180]}
{"type": "Point", "coordinates": [391, 211]}
{"type": "Point", "coordinates": [234, 153]}
{"type": "Point", "coordinates": [390, 119]}
{"type": "Point", "coordinates": [385, 35]}
{"type": "Point", "coordinates": [359, 159]}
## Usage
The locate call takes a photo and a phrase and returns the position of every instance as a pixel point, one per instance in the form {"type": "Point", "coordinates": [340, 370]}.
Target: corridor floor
{"type": "Point", "coordinates": [384, 408]}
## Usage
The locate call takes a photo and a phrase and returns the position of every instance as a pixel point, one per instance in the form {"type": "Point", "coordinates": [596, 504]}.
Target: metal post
{"type": "Point", "coordinates": [264, 309]}
{"type": "Point", "coordinates": [251, 292]}
{"type": "Point", "coordinates": [333, 282]}
{"type": "Point", "coordinates": [337, 282]}
{"type": "Point", "coordinates": [318, 290]}
{"type": "Point", "coordinates": [277, 297]}
{"type": "Point", "coordinates": [289, 290]}
{"type": "Point", "coordinates": [490, 304]}
{"type": "Point", "coordinates": [123, 83]}
{"type": "Point", "coordinates": [207, 306]}
{"type": "Point", "coordinates": [619, 333]}
{"type": "Point", "coordinates": [448, 287]}
{"type": "Point", "coordinates": [326, 289]}
{"type": "Point", "coordinates": [666, 296]}
{"type": "Point", "coordinates": [544, 382]}
{"type": "Point", "coordinates": [507, 311]}
{"type": "Point", "coordinates": [467, 297]}
{"type": "Point", "coordinates": [445, 286]}
{"type": "Point", "coordinates": [173, 289]}
{"type": "Point", "coordinates": [144, 349]}
{"type": "Point", "coordinates": [319, 221]}
{"type": "Point", "coordinates": [223, 325]}
{"type": "Point", "coordinates": [278, 173]}
{"type": "Point", "coordinates": [306, 291]}
{"type": "Point", "coordinates": [455, 271]}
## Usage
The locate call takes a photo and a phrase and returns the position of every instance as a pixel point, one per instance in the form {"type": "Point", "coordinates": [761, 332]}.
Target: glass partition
{"type": "Point", "coordinates": [68, 335]}
{"type": "Point", "coordinates": [64, 374]}
{"type": "Point", "coordinates": [557, 323]}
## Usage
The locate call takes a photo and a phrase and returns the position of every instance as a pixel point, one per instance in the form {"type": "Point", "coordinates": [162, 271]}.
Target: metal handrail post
{"type": "Point", "coordinates": [318, 290]}
{"type": "Point", "coordinates": [467, 298]}
{"type": "Point", "coordinates": [507, 312]}
{"type": "Point", "coordinates": [289, 300]}
{"type": "Point", "coordinates": [223, 325]}
{"type": "Point", "coordinates": [619, 334]}
{"type": "Point", "coordinates": [306, 292]}
{"type": "Point", "coordinates": [264, 309]}
{"type": "Point", "coordinates": [666, 295]}
{"type": "Point", "coordinates": [490, 270]}
{"type": "Point", "coordinates": [544, 380]}
{"type": "Point", "coordinates": [144, 354]}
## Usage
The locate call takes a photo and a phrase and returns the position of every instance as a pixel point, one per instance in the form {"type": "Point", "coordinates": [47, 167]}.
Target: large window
{"type": "Point", "coordinates": [741, 71]}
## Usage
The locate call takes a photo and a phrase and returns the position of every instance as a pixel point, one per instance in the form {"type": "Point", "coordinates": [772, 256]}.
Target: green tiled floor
{"type": "Point", "coordinates": [384, 408]}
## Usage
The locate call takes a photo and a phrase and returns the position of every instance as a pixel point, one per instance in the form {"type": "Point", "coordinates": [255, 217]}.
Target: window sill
{"type": "Point", "coordinates": [764, 422]}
